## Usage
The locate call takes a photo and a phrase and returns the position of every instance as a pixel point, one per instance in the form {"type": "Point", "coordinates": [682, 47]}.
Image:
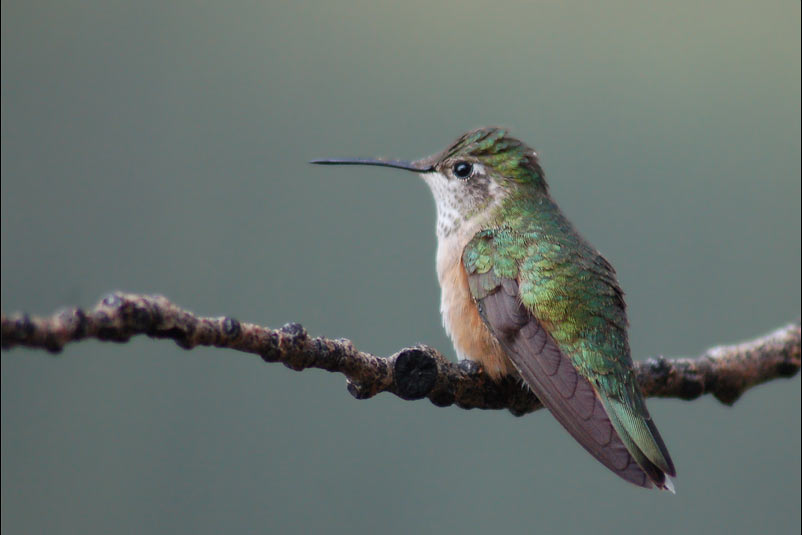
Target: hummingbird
{"type": "Point", "coordinates": [523, 294]}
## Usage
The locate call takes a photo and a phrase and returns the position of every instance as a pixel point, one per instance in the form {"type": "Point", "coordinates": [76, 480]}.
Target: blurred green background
{"type": "Point", "coordinates": [160, 147]}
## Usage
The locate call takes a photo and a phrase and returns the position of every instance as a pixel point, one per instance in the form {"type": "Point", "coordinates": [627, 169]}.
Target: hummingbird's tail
{"type": "Point", "coordinates": [643, 441]}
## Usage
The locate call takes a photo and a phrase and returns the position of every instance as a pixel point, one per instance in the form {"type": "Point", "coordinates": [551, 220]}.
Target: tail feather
{"type": "Point", "coordinates": [643, 433]}
{"type": "Point", "coordinates": [645, 446]}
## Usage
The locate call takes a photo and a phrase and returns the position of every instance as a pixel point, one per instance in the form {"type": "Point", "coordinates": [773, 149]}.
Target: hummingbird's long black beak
{"type": "Point", "coordinates": [396, 164]}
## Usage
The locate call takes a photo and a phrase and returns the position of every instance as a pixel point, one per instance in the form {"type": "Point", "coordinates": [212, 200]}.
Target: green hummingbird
{"type": "Point", "coordinates": [524, 294]}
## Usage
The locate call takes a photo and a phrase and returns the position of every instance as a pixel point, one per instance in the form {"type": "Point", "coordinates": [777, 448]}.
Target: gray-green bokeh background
{"type": "Point", "coordinates": [160, 147]}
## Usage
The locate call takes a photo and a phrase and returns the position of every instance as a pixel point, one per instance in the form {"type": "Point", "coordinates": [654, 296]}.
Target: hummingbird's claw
{"type": "Point", "coordinates": [470, 367]}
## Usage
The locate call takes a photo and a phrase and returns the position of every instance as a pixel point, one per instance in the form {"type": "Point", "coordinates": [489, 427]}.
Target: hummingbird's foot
{"type": "Point", "coordinates": [470, 367]}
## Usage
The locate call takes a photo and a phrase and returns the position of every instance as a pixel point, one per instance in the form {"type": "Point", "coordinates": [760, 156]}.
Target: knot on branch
{"type": "Point", "coordinates": [291, 341]}
{"type": "Point", "coordinates": [415, 373]}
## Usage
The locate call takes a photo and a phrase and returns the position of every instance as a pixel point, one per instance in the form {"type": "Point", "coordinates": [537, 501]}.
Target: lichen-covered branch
{"type": "Point", "coordinates": [411, 373]}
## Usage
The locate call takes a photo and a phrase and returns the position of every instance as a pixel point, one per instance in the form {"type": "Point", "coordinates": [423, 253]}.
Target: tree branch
{"type": "Point", "coordinates": [411, 373]}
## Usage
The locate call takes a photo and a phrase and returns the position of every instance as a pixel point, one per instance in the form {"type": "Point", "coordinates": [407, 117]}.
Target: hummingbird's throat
{"type": "Point", "coordinates": [461, 202]}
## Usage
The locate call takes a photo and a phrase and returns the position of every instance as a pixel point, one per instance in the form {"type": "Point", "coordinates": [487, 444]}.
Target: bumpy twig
{"type": "Point", "coordinates": [411, 373]}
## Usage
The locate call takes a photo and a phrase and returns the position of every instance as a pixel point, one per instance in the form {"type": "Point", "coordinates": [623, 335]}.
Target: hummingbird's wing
{"type": "Point", "coordinates": [559, 315]}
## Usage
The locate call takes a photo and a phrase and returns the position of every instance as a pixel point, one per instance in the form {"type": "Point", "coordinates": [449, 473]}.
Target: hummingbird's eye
{"type": "Point", "coordinates": [462, 169]}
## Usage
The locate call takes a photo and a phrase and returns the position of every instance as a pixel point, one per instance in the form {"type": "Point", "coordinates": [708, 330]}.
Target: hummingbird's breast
{"type": "Point", "coordinates": [471, 337]}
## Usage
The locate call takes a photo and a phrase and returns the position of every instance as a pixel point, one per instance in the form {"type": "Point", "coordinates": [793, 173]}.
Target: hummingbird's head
{"type": "Point", "coordinates": [472, 176]}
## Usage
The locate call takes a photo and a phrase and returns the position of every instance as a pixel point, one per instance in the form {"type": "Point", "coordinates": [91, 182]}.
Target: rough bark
{"type": "Point", "coordinates": [413, 372]}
